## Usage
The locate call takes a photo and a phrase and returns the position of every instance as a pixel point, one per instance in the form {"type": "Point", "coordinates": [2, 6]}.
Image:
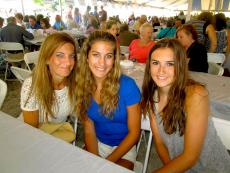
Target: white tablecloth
{"type": "Point", "coordinates": [218, 87]}
{"type": "Point", "coordinates": [36, 41]}
{"type": "Point", "coordinates": [24, 149]}
{"type": "Point", "coordinates": [39, 37]}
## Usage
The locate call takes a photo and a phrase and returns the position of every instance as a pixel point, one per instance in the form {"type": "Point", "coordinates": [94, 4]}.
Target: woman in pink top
{"type": "Point", "coordinates": [139, 48]}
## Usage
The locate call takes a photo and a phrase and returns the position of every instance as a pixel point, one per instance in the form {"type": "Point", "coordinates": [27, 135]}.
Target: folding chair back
{"type": "Point", "coordinates": [14, 53]}
{"type": "Point", "coordinates": [20, 73]}
{"type": "Point", "coordinates": [145, 126]}
{"type": "Point", "coordinates": [3, 91]}
{"type": "Point", "coordinates": [11, 46]}
{"type": "Point", "coordinates": [215, 69]}
{"type": "Point", "coordinates": [217, 58]}
{"type": "Point", "coordinates": [31, 58]}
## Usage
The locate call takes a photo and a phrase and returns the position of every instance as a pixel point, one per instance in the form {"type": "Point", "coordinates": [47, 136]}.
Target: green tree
{"type": "Point", "coordinates": [40, 2]}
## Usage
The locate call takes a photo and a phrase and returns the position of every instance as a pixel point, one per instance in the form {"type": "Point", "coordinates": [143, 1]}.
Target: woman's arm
{"type": "Point", "coordinates": [90, 136]}
{"type": "Point", "coordinates": [134, 124]}
{"type": "Point", "coordinates": [162, 150]}
{"type": "Point", "coordinates": [197, 110]}
{"type": "Point", "coordinates": [31, 118]}
{"type": "Point", "coordinates": [210, 30]}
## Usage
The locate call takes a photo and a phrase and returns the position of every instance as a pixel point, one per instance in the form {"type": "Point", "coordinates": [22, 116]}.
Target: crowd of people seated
{"type": "Point", "coordinates": [212, 30]}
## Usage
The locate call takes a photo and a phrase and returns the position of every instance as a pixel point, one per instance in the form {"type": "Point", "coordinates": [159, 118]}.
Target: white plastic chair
{"type": "Point", "coordinates": [20, 73]}
{"type": "Point", "coordinates": [223, 128]}
{"type": "Point", "coordinates": [31, 58]}
{"type": "Point", "coordinates": [75, 129]}
{"type": "Point", "coordinates": [3, 91]}
{"type": "Point", "coordinates": [217, 58]}
{"type": "Point", "coordinates": [12, 57]}
{"type": "Point", "coordinates": [215, 69]}
{"type": "Point", "coordinates": [145, 126]}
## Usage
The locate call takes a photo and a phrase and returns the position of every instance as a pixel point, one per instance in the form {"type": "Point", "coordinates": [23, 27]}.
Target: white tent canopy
{"type": "Point", "coordinates": [198, 5]}
{"type": "Point", "coordinates": [123, 8]}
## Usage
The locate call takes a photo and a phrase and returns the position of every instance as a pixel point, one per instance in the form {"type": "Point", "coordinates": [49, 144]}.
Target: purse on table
{"type": "Point", "coordinates": [62, 131]}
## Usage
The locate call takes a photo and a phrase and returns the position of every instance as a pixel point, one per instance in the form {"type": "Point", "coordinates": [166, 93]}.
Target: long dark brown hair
{"type": "Point", "coordinates": [173, 114]}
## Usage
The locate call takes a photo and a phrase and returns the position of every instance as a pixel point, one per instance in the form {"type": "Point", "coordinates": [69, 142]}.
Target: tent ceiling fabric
{"type": "Point", "coordinates": [213, 5]}
{"type": "Point", "coordinates": [163, 4]}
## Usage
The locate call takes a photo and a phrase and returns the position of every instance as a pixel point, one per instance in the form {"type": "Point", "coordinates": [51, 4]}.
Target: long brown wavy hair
{"type": "Point", "coordinates": [42, 84]}
{"type": "Point", "coordinates": [173, 114]}
{"type": "Point", "coordinates": [86, 85]}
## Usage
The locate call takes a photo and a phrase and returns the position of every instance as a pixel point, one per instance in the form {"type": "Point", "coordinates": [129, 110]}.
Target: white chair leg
{"type": "Point", "coordinates": [75, 130]}
{"type": "Point", "coordinates": [139, 142]}
{"type": "Point", "coordinates": [147, 152]}
{"type": "Point", "coordinates": [7, 65]}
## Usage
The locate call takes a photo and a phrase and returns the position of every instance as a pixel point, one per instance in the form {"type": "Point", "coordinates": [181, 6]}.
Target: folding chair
{"type": "Point", "coordinates": [31, 58]}
{"type": "Point", "coordinates": [217, 58]}
{"type": "Point", "coordinates": [145, 126]}
{"type": "Point", "coordinates": [3, 91]}
{"type": "Point", "coordinates": [223, 127]}
{"type": "Point", "coordinates": [215, 69]}
{"type": "Point", "coordinates": [75, 130]}
{"type": "Point", "coordinates": [8, 48]}
{"type": "Point", "coordinates": [20, 73]}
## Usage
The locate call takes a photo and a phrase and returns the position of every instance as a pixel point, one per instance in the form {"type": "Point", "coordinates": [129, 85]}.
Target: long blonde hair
{"type": "Point", "coordinates": [42, 86]}
{"type": "Point", "coordinates": [86, 85]}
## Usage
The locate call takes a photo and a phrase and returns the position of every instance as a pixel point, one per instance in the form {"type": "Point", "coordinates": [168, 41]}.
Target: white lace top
{"type": "Point", "coordinates": [61, 109]}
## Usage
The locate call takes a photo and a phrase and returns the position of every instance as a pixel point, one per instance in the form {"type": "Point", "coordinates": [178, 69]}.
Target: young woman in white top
{"type": "Point", "coordinates": [47, 96]}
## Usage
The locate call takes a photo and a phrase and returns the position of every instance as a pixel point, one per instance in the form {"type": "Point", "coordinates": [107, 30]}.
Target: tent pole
{"type": "Point", "coordinates": [23, 11]}
{"type": "Point", "coordinates": [189, 10]}
{"type": "Point", "coordinates": [60, 7]}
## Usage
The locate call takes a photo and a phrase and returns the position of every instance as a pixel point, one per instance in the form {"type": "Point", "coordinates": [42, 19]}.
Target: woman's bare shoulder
{"type": "Point", "coordinates": [196, 93]}
{"type": "Point", "coordinates": [196, 97]}
{"type": "Point", "coordinates": [196, 89]}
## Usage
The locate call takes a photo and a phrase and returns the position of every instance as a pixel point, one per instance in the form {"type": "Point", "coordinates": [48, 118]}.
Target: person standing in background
{"type": "Point", "coordinates": [69, 12]}
{"type": "Point", "coordinates": [102, 18]}
{"type": "Point", "coordinates": [86, 16]}
{"type": "Point", "coordinates": [95, 13]}
{"type": "Point", "coordinates": [77, 16]}
{"type": "Point", "coordinates": [209, 32]}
